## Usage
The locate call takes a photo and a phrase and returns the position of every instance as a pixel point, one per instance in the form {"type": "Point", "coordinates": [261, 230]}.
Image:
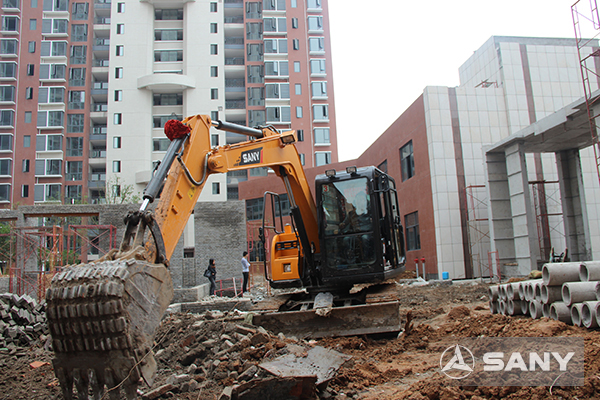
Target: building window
{"type": "Point", "coordinates": [214, 115]}
{"type": "Point", "coordinates": [319, 89]}
{"type": "Point", "coordinates": [322, 136]}
{"type": "Point", "coordinates": [78, 54]}
{"type": "Point", "coordinates": [171, 14]}
{"type": "Point", "coordinates": [53, 48]}
{"type": "Point", "coordinates": [277, 90]}
{"type": "Point", "coordinates": [314, 4]}
{"type": "Point", "coordinates": [77, 76]}
{"type": "Point", "coordinates": [32, 24]}
{"type": "Point", "coordinates": [26, 164]}
{"type": "Point", "coordinates": [321, 112]}
{"type": "Point", "coordinates": [161, 144]}
{"type": "Point", "coordinates": [120, 29]}
{"type": "Point", "coordinates": [278, 114]}
{"type": "Point", "coordinates": [116, 166]}
{"type": "Point", "coordinates": [322, 158]}
{"type": "Point", "coordinates": [213, 27]}
{"type": "Point", "coordinates": [296, 44]}
{"type": "Point", "coordinates": [74, 146]}
{"type": "Point", "coordinates": [167, 99]}
{"type": "Point", "coordinates": [30, 69]}
{"type": "Point", "coordinates": [316, 44]}
{"type": "Point", "coordinates": [6, 142]}
{"type": "Point", "coordinates": [27, 141]}
{"type": "Point", "coordinates": [118, 72]}
{"type": "Point", "coordinates": [24, 191]}
{"type": "Point", "coordinates": [74, 170]}
{"type": "Point", "coordinates": [317, 67]}
{"type": "Point", "coordinates": [80, 11]}
{"type": "Point", "coordinates": [8, 47]}
{"type": "Point", "coordinates": [75, 123]}
{"type": "Point", "coordinates": [29, 93]}
{"type": "Point", "coordinates": [298, 88]}
{"type": "Point", "coordinates": [315, 23]}
{"type": "Point", "coordinates": [168, 34]}
{"type": "Point", "coordinates": [300, 135]}
{"type": "Point", "coordinates": [79, 32]}
{"type": "Point", "coordinates": [5, 169]}
{"type": "Point", "coordinates": [214, 140]}
{"type": "Point", "coordinates": [214, 49]}
{"type": "Point", "coordinates": [256, 73]}
{"type": "Point", "coordinates": [31, 47]}
{"type": "Point", "coordinates": [28, 116]}
{"type": "Point", "coordinates": [120, 50]}
{"type": "Point", "coordinates": [120, 8]}
{"type": "Point", "coordinates": [299, 112]}
{"type": "Point", "coordinates": [10, 24]}
{"type": "Point", "coordinates": [5, 192]}
{"type": "Point", "coordinates": [274, 5]}
{"type": "Point", "coordinates": [53, 71]}
{"type": "Point", "coordinates": [413, 240]}
{"type": "Point", "coordinates": [117, 142]}
{"type": "Point", "coordinates": [118, 118]}
{"type": "Point", "coordinates": [48, 94]}
{"type": "Point", "coordinates": [407, 161]}
{"type": "Point", "coordinates": [7, 93]}
{"type": "Point", "coordinates": [214, 71]}
{"type": "Point", "coordinates": [7, 118]}
{"type": "Point", "coordinates": [302, 158]}
{"type": "Point", "coordinates": [214, 94]}
{"type": "Point", "coordinates": [73, 193]}
{"type": "Point", "coordinates": [216, 188]}
{"type": "Point", "coordinates": [276, 68]}
{"type": "Point", "coordinates": [118, 95]}
{"type": "Point", "coordinates": [76, 99]}
{"type": "Point", "coordinates": [295, 23]}
{"type": "Point", "coordinates": [383, 166]}
{"type": "Point", "coordinates": [213, 7]}
{"type": "Point", "coordinates": [276, 46]}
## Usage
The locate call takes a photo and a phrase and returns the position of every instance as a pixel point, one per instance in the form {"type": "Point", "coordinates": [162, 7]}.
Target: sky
{"type": "Point", "coordinates": [386, 52]}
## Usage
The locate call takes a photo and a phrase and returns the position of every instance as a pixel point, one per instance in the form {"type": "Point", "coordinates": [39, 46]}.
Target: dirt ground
{"type": "Point", "coordinates": [381, 368]}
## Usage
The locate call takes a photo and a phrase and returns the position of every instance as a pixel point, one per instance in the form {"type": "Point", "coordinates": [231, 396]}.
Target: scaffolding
{"type": "Point", "coordinates": [549, 224]}
{"type": "Point", "coordinates": [478, 229]}
{"type": "Point", "coordinates": [586, 22]}
{"type": "Point", "coordinates": [34, 254]}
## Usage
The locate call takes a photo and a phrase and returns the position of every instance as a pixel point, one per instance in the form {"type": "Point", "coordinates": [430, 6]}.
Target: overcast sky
{"type": "Point", "coordinates": [385, 52]}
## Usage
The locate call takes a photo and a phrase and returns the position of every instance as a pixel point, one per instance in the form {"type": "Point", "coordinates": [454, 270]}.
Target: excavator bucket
{"type": "Point", "coordinates": [102, 319]}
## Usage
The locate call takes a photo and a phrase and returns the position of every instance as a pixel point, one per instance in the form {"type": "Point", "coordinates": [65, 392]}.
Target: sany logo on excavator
{"type": "Point", "coordinates": [250, 157]}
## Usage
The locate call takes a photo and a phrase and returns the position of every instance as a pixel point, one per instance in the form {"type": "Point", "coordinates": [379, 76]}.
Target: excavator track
{"type": "Point", "coordinates": [102, 318]}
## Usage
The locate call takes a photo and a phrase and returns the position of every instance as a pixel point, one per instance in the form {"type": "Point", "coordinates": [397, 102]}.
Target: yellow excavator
{"type": "Point", "coordinates": [103, 315]}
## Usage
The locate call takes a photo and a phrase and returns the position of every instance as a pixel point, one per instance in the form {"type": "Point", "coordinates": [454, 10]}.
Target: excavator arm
{"type": "Point", "coordinates": [103, 315]}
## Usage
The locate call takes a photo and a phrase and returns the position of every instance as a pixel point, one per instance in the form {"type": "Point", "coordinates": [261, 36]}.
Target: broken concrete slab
{"type": "Point", "coordinates": [319, 361]}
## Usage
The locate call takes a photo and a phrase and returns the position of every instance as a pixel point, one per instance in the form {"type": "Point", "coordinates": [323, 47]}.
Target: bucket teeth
{"type": "Point", "coordinates": [101, 316]}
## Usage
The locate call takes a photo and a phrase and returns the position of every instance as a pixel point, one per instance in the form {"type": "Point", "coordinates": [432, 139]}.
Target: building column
{"type": "Point", "coordinates": [574, 209]}
{"type": "Point", "coordinates": [499, 211]}
{"type": "Point", "coordinates": [512, 224]}
{"type": "Point", "coordinates": [523, 221]}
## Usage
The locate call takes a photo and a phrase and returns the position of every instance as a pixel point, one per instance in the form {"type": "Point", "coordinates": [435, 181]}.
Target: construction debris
{"type": "Point", "coordinates": [22, 320]}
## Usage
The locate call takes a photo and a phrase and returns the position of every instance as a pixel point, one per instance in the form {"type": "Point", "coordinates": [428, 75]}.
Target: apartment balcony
{"type": "Point", "coordinates": [102, 5]}
{"type": "Point", "coordinates": [233, 4]}
{"type": "Point", "coordinates": [165, 82]}
{"type": "Point", "coordinates": [97, 158]}
{"type": "Point", "coordinates": [235, 85]}
{"type": "Point", "coordinates": [97, 181]}
{"type": "Point", "coordinates": [101, 47]}
{"type": "Point", "coordinates": [234, 43]}
{"type": "Point", "coordinates": [235, 109]}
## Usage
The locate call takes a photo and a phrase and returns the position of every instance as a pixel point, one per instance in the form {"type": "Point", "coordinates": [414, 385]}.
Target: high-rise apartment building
{"type": "Point", "coordinates": [86, 87]}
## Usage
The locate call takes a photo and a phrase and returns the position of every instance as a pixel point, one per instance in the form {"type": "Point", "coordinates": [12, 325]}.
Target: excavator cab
{"type": "Point", "coordinates": [359, 227]}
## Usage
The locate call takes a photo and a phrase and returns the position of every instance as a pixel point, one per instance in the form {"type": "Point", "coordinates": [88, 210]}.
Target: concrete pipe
{"type": "Point", "coordinates": [576, 314]}
{"type": "Point", "coordinates": [588, 314]}
{"type": "Point", "coordinates": [598, 312]}
{"type": "Point", "coordinates": [524, 307]}
{"type": "Point", "coordinates": [494, 306]}
{"type": "Point", "coordinates": [555, 274]}
{"type": "Point", "coordinates": [535, 309]}
{"type": "Point", "coordinates": [514, 307]}
{"type": "Point", "coordinates": [502, 307]}
{"type": "Point", "coordinates": [522, 287]}
{"type": "Point", "coordinates": [537, 291]}
{"type": "Point", "coordinates": [528, 291]}
{"type": "Point", "coordinates": [560, 312]}
{"type": "Point", "coordinates": [502, 292]}
{"type": "Point", "coordinates": [589, 271]}
{"type": "Point", "coordinates": [493, 293]}
{"type": "Point", "coordinates": [550, 294]}
{"type": "Point", "coordinates": [512, 290]}
{"type": "Point", "coordinates": [578, 292]}
{"type": "Point", "coordinates": [546, 310]}
{"type": "Point", "coordinates": [598, 291]}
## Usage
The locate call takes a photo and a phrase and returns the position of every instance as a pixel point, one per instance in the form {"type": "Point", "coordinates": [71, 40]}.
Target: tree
{"type": "Point", "coordinates": [117, 192]}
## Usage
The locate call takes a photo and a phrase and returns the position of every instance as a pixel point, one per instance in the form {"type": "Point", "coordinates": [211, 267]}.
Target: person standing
{"type": "Point", "coordinates": [212, 274]}
{"type": "Point", "coordinates": [245, 271]}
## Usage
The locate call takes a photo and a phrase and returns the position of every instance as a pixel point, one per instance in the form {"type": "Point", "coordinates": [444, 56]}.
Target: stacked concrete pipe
{"type": "Point", "coordinates": [568, 292]}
